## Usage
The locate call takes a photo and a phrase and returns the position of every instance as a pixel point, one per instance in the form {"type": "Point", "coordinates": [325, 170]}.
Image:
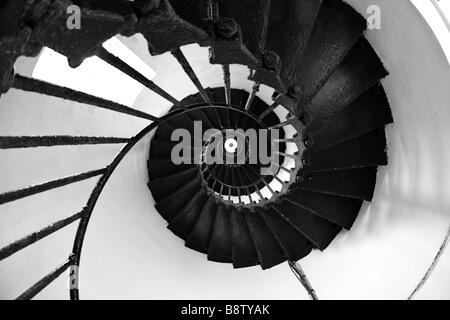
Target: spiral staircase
{"type": "Point", "coordinates": [327, 101]}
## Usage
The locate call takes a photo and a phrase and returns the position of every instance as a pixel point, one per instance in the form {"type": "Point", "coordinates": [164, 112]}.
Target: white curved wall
{"type": "Point", "coordinates": [397, 236]}
{"type": "Point", "coordinates": [129, 253]}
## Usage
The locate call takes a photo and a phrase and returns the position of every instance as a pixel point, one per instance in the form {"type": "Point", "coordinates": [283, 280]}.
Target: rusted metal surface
{"type": "Point", "coordinates": [37, 86]}
{"type": "Point", "coordinates": [27, 26]}
{"type": "Point", "coordinates": [197, 12]}
{"type": "Point", "coordinates": [50, 141]}
{"type": "Point", "coordinates": [268, 72]}
{"type": "Point", "coordinates": [252, 16]}
{"type": "Point", "coordinates": [13, 39]}
{"type": "Point", "coordinates": [243, 32]}
{"type": "Point", "coordinates": [296, 20]}
{"type": "Point", "coordinates": [50, 29]}
{"type": "Point", "coordinates": [164, 30]}
{"type": "Point", "coordinates": [136, 75]}
{"type": "Point", "coordinates": [255, 90]}
{"type": "Point", "coordinates": [178, 54]}
{"type": "Point", "coordinates": [34, 24]}
{"type": "Point", "coordinates": [336, 30]}
{"type": "Point", "coordinates": [38, 235]}
{"type": "Point", "coordinates": [44, 282]}
{"type": "Point", "coordinates": [227, 47]}
{"type": "Point", "coordinates": [23, 193]}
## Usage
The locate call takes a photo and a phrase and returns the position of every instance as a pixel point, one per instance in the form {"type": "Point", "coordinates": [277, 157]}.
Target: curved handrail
{"type": "Point", "coordinates": [75, 257]}
{"type": "Point", "coordinates": [441, 13]}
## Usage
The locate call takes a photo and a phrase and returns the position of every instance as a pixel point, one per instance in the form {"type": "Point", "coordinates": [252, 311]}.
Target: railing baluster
{"type": "Point", "coordinates": [286, 140]}
{"type": "Point", "coordinates": [254, 184]}
{"type": "Point", "coordinates": [23, 193]}
{"type": "Point", "coordinates": [36, 236]}
{"type": "Point", "coordinates": [268, 110]}
{"type": "Point", "coordinates": [181, 58]}
{"type": "Point", "coordinates": [42, 87]}
{"type": "Point", "coordinates": [221, 190]}
{"type": "Point", "coordinates": [285, 169]}
{"type": "Point", "coordinates": [287, 155]}
{"type": "Point", "coordinates": [283, 124]}
{"type": "Point", "coordinates": [263, 179]}
{"type": "Point", "coordinates": [210, 173]}
{"type": "Point", "coordinates": [301, 276]}
{"type": "Point", "coordinates": [44, 282]}
{"type": "Point", "coordinates": [252, 96]}
{"type": "Point", "coordinates": [258, 191]}
{"type": "Point", "coordinates": [278, 179]}
{"type": "Point", "coordinates": [249, 195]}
{"type": "Point", "coordinates": [50, 141]}
{"type": "Point", "coordinates": [178, 54]}
{"type": "Point", "coordinates": [239, 181]}
{"type": "Point", "coordinates": [227, 81]}
{"type": "Point", "coordinates": [117, 63]}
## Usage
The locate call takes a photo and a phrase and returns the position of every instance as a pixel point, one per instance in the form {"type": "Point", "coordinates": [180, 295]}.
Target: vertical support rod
{"type": "Point", "coordinates": [178, 54]}
{"type": "Point", "coordinates": [433, 265]}
{"type": "Point", "coordinates": [227, 81]}
{"type": "Point", "coordinates": [42, 87]}
{"type": "Point", "coordinates": [255, 90]}
{"type": "Point", "coordinates": [301, 276]}
{"type": "Point", "coordinates": [117, 63]}
{"type": "Point", "coordinates": [44, 282]}
{"type": "Point", "coordinates": [268, 110]}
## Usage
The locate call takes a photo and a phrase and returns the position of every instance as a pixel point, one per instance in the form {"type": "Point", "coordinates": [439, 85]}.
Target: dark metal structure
{"type": "Point", "coordinates": [312, 52]}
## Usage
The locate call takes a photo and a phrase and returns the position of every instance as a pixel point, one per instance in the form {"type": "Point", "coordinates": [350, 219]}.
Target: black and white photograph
{"type": "Point", "coordinates": [224, 156]}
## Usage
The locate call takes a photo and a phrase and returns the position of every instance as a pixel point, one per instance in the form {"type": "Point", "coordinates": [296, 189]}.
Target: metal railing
{"type": "Point", "coordinates": [440, 10]}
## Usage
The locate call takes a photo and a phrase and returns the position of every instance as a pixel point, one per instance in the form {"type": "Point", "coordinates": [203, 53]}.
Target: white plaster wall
{"type": "Point", "coordinates": [397, 236]}
{"type": "Point", "coordinates": [129, 253]}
